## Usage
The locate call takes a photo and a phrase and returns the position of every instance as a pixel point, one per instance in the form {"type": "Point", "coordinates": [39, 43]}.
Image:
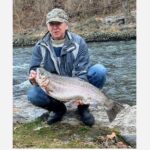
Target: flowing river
{"type": "Point", "coordinates": [118, 57]}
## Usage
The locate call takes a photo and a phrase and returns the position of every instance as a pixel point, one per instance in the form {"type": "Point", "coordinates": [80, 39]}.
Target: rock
{"type": "Point", "coordinates": [130, 139]}
{"type": "Point", "coordinates": [24, 85]}
{"type": "Point", "coordinates": [125, 121]}
{"type": "Point", "coordinates": [20, 89]}
{"type": "Point", "coordinates": [24, 111]}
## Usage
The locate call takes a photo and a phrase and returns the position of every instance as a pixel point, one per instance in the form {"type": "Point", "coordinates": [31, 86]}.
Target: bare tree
{"type": "Point", "coordinates": [31, 14]}
{"type": "Point", "coordinates": [126, 10]}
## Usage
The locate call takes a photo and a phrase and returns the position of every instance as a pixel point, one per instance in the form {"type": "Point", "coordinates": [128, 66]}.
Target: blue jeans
{"type": "Point", "coordinates": [96, 75]}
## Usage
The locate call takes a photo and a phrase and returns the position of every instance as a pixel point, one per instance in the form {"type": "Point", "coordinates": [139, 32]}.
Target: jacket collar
{"type": "Point", "coordinates": [69, 45]}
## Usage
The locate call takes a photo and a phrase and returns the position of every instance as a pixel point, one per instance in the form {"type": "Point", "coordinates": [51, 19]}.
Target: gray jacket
{"type": "Point", "coordinates": [74, 59]}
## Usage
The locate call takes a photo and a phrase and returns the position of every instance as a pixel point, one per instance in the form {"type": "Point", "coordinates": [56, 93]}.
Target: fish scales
{"type": "Point", "coordinates": [66, 89]}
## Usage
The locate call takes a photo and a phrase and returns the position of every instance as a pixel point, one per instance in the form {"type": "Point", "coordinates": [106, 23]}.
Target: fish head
{"type": "Point", "coordinates": [42, 75]}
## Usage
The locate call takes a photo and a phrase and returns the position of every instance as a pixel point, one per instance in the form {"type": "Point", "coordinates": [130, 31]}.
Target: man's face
{"type": "Point", "coordinates": [57, 29]}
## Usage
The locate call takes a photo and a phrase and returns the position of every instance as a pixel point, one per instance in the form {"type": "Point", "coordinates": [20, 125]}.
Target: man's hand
{"type": "Point", "coordinates": [32, 76]}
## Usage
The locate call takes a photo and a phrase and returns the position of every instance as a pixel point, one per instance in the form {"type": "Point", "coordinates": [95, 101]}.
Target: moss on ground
{"type": "Point", "coordinates": [38, 134]}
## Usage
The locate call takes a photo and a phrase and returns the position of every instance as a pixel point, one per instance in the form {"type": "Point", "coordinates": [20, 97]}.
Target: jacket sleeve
{"type": "Point", "coordinates": [36, 58]}
{"type": "Point", "coordinates": [82, 63]}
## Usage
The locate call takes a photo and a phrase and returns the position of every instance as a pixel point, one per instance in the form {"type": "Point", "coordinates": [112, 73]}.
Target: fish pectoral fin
{"type": "Point", "coordinates": [78, 101]}
{"type": "Point", "coordinates": [46, 86]}
{"type": "Point", "coordinates": [46, 89]}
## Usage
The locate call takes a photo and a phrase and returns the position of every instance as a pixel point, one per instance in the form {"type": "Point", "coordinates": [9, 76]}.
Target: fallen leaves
{"type": "Point", "coordinates": [111, 140]}
{"type": "Point", "coordinates": [111, 136]}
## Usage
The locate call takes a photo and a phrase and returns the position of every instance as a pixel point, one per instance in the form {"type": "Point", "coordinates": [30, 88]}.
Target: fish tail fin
{"type": "Point", "coordinates": [114, 110]}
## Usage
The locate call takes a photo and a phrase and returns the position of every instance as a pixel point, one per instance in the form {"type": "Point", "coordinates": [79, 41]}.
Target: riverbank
{"type": "Point", "coordinates": [30, 40]}
{"type": "Point", "coordinates": [94, 29]}
{"type": "Point", "coordinates": [38, 134]}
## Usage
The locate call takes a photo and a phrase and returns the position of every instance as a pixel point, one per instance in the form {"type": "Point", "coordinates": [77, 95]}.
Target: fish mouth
{"type": "Point", "coordinates": [40, 74]}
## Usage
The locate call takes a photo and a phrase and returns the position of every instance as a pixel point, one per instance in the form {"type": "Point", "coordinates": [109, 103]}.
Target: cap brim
{"type": "Point", "coordinates": [56, 20]}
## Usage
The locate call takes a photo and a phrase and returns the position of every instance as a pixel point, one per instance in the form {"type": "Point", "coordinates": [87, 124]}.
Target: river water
{"type": "Point", "coordinates": [118, 57]}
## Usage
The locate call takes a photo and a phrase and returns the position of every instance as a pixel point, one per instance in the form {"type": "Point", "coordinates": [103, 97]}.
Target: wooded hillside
{"type": "Point", "coordinates": [31, 14]}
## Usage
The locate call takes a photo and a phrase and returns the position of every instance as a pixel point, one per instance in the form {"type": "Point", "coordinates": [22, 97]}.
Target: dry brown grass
{"type": "Point", "coordinates": [29, 15]}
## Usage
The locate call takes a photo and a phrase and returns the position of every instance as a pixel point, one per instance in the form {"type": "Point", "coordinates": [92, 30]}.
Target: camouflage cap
{"type": "Point", "coordinates": [56, 15]}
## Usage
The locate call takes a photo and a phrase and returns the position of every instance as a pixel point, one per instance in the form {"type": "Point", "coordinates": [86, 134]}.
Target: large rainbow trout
{"type": "Point", "coordinates": [74, 89]}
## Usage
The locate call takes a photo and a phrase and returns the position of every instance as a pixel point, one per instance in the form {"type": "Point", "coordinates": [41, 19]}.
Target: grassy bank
{"type": "Point", "coordinates": [30, 40]}
{"type": "Point", "coordinates": [38, 134]}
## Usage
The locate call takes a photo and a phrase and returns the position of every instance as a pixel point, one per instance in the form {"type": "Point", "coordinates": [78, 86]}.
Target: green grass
{"type": "Point", "coordinates": [38, 134]}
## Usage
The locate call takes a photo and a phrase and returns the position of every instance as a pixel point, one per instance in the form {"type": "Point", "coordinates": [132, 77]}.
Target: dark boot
{"type": "Point", "coordinates": [55, 117]}
{"type": "Point", "coordinates": [85, 116]}
{"type": "Point", "coordinates": [58, 108]}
